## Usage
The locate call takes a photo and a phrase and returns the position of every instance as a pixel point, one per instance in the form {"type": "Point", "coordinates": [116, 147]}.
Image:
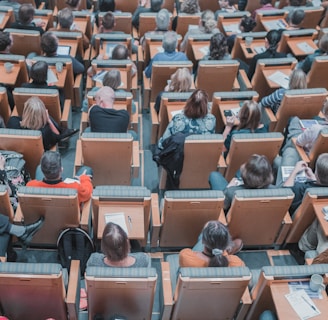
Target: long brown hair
{"type": "Point", "coordinates": [196, 106]}
{"type": "Point", "coordinates": [249, 116]}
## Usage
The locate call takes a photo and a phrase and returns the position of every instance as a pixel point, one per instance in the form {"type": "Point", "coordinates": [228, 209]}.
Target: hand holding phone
{"type": "Point", "coordinates": [227, 113]}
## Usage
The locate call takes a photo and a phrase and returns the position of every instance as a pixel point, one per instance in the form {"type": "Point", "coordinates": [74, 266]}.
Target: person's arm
{"type": "Point", "coordinates": [52, 125]}
{"type": "Point", "coordinates": [299, 167]}
{"type": "Point", "coordinates": [167, 133]}
{"type": "Point", "coordinates": [306, 64]}
{"type": "Point", "coordinates": [252, 67]}
{"type": "Point", "coordinates": [308, 136]}
{"type": "Point", "coordinates": [149, 69]}
{"type": "Point", "coordinates": [78, 67]}
{"type": "Point", "coordinates": [228, 128]}
{"type": "Point", "coordinates": [273, 99]}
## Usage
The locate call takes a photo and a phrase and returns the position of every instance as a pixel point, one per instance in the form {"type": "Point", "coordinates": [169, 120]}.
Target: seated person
{"type": "Point", "coordinates": [155, 6]}
{"type": "Point", "coordinates": [256, 173]}
{"type": "Point", "coordinates": [213, 249]}
{"type": "Point", "coordinates": [297, 80]}
{"type": "Point", "coordinates": [36, 117]}
{"type": "Point", "coordinates": [104, 6]}
{"type": "Point", "coordinates": [121, 52]}
{"type": "Point", "coordinates": [103, 117]}
{"type": "Point", "coordinates": [314, 180]}
{"type": "Point", "coordinates": [249, 122]}
{"type": "Point", "coordinates": [181, 81]}
{"type": "Point", "coordinates": [115, 247]}
{"type": "Point", "coordinates": [26, 15]}
{"type": "Point", "coordinates": [266, 5]}
{"type": "Point", "coordinates": [51, 176]}
{"type": "Point", "coordinates": [294, 19]}
{"type": "Point", "coordinates": [190, 7]}
{"type": "Point", "coordinates": [39, 76]}
{"type": "Point", "coordinates": [66, 24]}
{"type": "Point", "coordinates": [169, 44]}
{"type": "Point", "coordinates": [271, 44]}
{"type": "Point", "coordinates": [306, 64]}
{"type": "Point", "coordinates": [195, 118]}
{"type": "Point", "coordinates": [24, 233]}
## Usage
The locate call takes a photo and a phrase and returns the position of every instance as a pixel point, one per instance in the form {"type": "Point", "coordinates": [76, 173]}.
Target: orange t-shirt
{"type": "Point", "coordinates": [189, 258]}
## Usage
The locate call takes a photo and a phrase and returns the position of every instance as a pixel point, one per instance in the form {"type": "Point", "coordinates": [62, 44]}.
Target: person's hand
{"type": "Point", "coordinates": [230, 120]}
{"type": "Point", "coordinates": [2, 162]}
{"type": "Point", "coordinates": [301, 166]}
{"type": "Point", "coordinates": [48, 117]}
{"type": "Point", "coordinates": [142, 3]}
{"type": "Point", "coordinates": [84, 173]}
{"type": "Point", "coordinates": [40, 23]}
{"type": "Point", "coordinates": [309, 174]}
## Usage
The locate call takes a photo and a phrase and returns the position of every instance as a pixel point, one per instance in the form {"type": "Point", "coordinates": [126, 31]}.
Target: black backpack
{"type": "Point", "coordinates": [74, 244]}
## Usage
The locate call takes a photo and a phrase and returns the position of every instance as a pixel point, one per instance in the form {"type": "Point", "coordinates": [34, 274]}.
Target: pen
{"type": "Point", "coordinates": [130, 222]}
{"type": "Point", "coordinates": [312, 306]}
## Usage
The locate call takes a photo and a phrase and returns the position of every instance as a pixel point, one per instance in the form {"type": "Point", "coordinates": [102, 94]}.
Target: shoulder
{"type": "Point", "coordinates": [235, 261]}
{"type": "Point", "coordinates": [96, 259]}
{"type": "Point", "coordinates": [142, 259]}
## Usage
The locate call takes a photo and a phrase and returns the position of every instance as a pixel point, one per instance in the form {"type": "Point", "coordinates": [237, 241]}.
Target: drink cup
{"type": "Point", "coordinates": [248, 41]}
{"type": "Point", "coordinates": [316, 282]}
{"type": "Point", "coordinates": [8, 67]}
{"type": "Point", "coordinates": [59, 67]}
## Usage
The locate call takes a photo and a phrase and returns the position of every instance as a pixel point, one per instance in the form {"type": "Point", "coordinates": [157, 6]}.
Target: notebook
{"type": "Point", "coordinates": [63, 50]}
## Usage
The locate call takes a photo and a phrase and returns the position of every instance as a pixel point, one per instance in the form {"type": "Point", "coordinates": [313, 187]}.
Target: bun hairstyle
{"type": "Point", "coordinates": [247, 23]}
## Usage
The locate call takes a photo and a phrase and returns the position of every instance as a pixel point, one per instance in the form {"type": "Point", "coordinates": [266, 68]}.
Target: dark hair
{"type": "Point", "coordinates": [257, 172]}
{"type": "Point", "coordinates": [249, 116]}
{"type": "Point", "coordinates": [108, 20]}
{"type": "Point", "coordinates": [321, 168]}
{"type": "Point", "coordinates": [120, 52]}
{"type": "Point", "coordinates": [72, 3]}
{"type": "Point", "coordinates": [51, 165]}
{"type": "Point", "coordinates": [26, 13]}
{"type": "Point", "coordinates": [248, 23]}
{"type": "Point", "coordinates": [39, 72]}
{"type": "Point", "coordinates": [5, 40]}
{"type": "Point", "coordinates": [273, 38]}
{"type": "Point", "coordinates": [295, 3]}
{"type": "Point", "coordinates": [196, 106]}
{"type": "Point", "coordinates": [296, 16]}
{"type": "Point", "coordinates": [49, 43]}
{"type": "Point", "coordinates": [65, 18]}
{"type": "Point", "coordinates": [218, 47]}
{"type": "Point", "coordinates": [156, 5]}
{"type": "Point", "coordinates": [263, 2]}
{"type": "Point", "coordinates": [106, 5]}
{"type": "Point", "coordinates": [112, 79]}
{"type": "Point", "coordinates": [115, 243]}
{"type": "Point", "coordinates": [216, 238]}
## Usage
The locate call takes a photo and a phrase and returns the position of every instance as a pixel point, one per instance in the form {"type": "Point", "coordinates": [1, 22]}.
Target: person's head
{"type": "Point", "coordinates": [120, 52]}
{"type": "Point", "coordinates": [26, 13]}
{"type": "Point", "coordinates": [207, 20]}
{"type": "Point", "coordinates": [216, 238]}
{"type": "Point", "coordinates": [272, 39]}
{"type": "Point", "coordinates": [325, 110]}
{"type": "Point", "coordinates": [190, 6]}
{"type": "Point", "coordinates": [105, 97]}
{"type": "Point", "coordinates": [155, 5]}
{"type": "Point", "coordinates": [180, 80]}
{"type": "Point", "coordinates": [162, 20]}
{"type": "Point", "coordinates": [196, 105]}
{"type": "Point", "coordinates": [257, 172]}
{"type": "Point", "coordinates": [74, 4]}
{"type": "Point", "coordinates": [297, 80]}
{"type": "Point", "coordinates": [108, 21]}
{"type": "Point", "coordinates": [264, 2]}
{"type": "Point", "coordinates": [65, 18]}
{"type": "Point", "coordinates": [106, 5]}
{"type": "Point", "coordinates": [5, 41]}
{"type": "Point", "coordinates": [112, 79]}
{"type": "Point", "coordinates": [249, 116]}
{"type": "Point", "coordinates": [51, 165]}
{"type": "Point", "coordinates": [49, 43]}
{"type": "Point", "coordinates": [218, 46]}
{"type": "Point", "coordinates": [296, 17]}
{"type": "Point", "coordinates": [321, 169]}
{"type": "Point", "coordinates": [34, 114]}
{"type": "Point", "coordinates": [323, 43]}
{"type": "Point", "coordinates": [39, 72]}
{"type": "Point", "coordinates": [115, 244]}
{"type": "Point", "coordinates": [170, 41]}
{"type": "Point", "coordinates": [247, 24]}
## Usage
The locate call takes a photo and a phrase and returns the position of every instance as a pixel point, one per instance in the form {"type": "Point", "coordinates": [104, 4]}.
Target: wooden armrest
{"type": "Point", "coordinates": [146, 82]}
{"type": "Point", "coordinates": [134, 122]}
{"type": "Point", "coordinates": [66, 118]}
{"type": "Point", "coordinates": [167, 291]}
{"type": "Point", "coordinates": [246, 302]}
{"type": "Point", "coordinates": [154, 124]}
{"type": "Point", "coordinates": [135, 158]}
{"type": "Point", "coordinates": [272, 120]}
{"type": "Point", "coordinates": [222, 165]}
{"type": "Point", "coordinates": [85, 215]}
{"type": "Point", "coordinates": [73, 289]}
{"type": "Point", "coordinates": [78, 162]}
{"type": "Point", "coordinates": [301, 151]}
{"type": "Point", "coordinates": [84, 122]}
{"type": "Point", "coordinates": [156, 221]}
{"type": "Point", "coordinates": [18, 218]}
{"type": "Point", "coordinates": [245, 80]}
{"type": "Point", "coordinates": [87, 54]}
{"type": "Point", "coordinates": [235, 86]}
{"type": "Point", "coordinates": [285, 227]}
{"type": "Point", "coordinates": [78, 88]}
{"type": "Point", "coordinates": [141, 61]}
{"type": "Point", "coordinates": [89, 84]}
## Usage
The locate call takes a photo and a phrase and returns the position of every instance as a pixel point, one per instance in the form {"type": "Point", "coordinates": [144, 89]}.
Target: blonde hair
{"type": "Point", "coordinates": [297, 80]}
{"type": "Point", "coordinates": [34, 114]}
{"type": "Point", "coordinates": [180, 80]}
{"type": "Point", "coordinates": [208, 21]}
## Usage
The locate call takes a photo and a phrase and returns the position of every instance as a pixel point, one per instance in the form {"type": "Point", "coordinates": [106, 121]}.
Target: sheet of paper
{"type": "Point", "coordinates": [308, 123]}
{"type": "Point", "coordinates": [304, 285]}
{"type": "Point", "coordinates": [233, 27]}
{"type": "Point", "coordinates": [259, 49]}
{"type": "Point", "coordinates": [99, 77]}
{"type": "Point", "coordinates": [305, 47]}
{"type": "Point", "coordinates": [280, 78]}
{"type": "Point", "coordinates": [302, 304]}
{"type": "Point", "coordinates": [205, 50]}
{"type": "Point", "coordinates": [117, 218]}
{"type": "Point", "coordinates": [109, 49]}
{"type": "Point", "coordinates": [51, 77]}
{"type": "Point", "coordinates": [275, 24]}
{"type": "Point", "coordinates": [287, 170]}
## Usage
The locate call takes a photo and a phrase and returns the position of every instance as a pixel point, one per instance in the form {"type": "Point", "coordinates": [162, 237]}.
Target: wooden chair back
{"type": "Point", "coordinates": [185, 20]}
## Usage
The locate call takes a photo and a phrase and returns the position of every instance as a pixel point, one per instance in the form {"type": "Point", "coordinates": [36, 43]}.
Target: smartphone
{"type": "Point", "coordinates": [249, 50]}
{"type": "Point", "coordinates": [227, 113]}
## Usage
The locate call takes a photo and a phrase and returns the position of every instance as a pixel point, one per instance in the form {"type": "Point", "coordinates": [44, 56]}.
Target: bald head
{"type": "Point", "coordinates": [105, 97]}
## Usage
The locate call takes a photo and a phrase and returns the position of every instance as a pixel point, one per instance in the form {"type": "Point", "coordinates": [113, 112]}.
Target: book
{"type": "Point", "coordinates": [307, 123]}
{"type": "Point", "coordinates": [280, 78]}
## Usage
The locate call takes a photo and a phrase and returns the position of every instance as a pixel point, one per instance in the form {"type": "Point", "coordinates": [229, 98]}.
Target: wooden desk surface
{"type": "Point", "coordinates": [318, 211]}
{"type": "Point", "coordinates": [284, 309]}
{"type": "Point", "coordinates": [274, 22]}
{"type": "Point", "coordinates": [9, 78]}
{"type": "Point", "coordinates": [270, 70]}
{"type": "Point", "coordinates": [134, 218]}
{"type": "Point", "coordinates": [293, 44]}
{"type": "Point", "coordinates": [155, 48]}
{"type": "Point", "coordinates": [256, 43]}
{"type": "Point", "coordinates": [61, 76]}
{"type": "Point", "coordinates": [231, 26]}
{"type": "Point", "coordinates": [200, 49]}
